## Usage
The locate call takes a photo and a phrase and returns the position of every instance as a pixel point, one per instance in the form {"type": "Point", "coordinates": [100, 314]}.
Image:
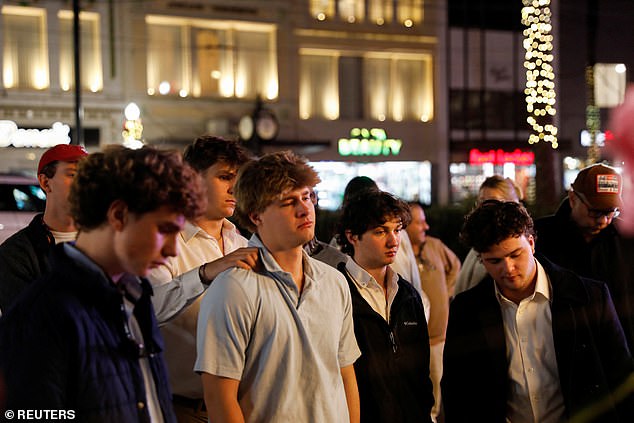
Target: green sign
{"type": "Point", "coordinates": [369, 142]}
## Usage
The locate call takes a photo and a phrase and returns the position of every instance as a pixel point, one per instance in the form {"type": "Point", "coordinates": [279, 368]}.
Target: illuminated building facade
{"type": "Point", "coordinates": [518, 73]}
{"type": "Point", "coordinates": [323, 67]}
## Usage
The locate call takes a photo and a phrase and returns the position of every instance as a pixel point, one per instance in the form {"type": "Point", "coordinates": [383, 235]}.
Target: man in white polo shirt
{"type": "Point", "coordinates": [277, 343]}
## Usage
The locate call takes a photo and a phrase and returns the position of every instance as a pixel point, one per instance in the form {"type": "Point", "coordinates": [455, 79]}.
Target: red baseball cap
{"type": "Point", "coordinates": [600, 185]}
{"type": "Point", "coordinates": [62, 153]}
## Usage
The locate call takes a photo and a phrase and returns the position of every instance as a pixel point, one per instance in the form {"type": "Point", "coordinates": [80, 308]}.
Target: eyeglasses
{"type": "Point", "coordinates": [596, 213]}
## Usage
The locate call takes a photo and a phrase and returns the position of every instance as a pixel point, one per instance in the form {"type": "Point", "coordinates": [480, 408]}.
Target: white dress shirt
{"type": "Point", "coordinates": [535, 394]}
{"type": "Point", "coordinates": [177, 296]}
{"type": "Point", "coordinates": [372, 291]}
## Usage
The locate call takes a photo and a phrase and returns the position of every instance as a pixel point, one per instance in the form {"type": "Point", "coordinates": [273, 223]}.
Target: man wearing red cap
{"type": "Point", "coordinates": [24, 256]}
{"type": "Point", "coordinates": [582, 237]}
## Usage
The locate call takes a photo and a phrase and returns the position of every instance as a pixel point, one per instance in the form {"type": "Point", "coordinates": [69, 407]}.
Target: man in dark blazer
{"type": "Point", "coordinates": [533, 342]}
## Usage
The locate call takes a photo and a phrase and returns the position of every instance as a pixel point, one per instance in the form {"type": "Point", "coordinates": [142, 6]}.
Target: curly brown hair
{"type": "Point", "coordinates": [263, 181]}
{"type": "Point", "coordinates": [208, 150]}
{"type": "Point", "coordinates": [494, 221]}
{"type": "Point", "coordinates": [367, 210]}
{"type": "Point", "coordinates": [144, 179]}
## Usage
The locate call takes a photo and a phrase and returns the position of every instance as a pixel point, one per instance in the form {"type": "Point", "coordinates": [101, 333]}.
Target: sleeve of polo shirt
{"type": "Point", "coordinates": [224, 326]}
{"type": "Point", "coordinates": [348, 349]}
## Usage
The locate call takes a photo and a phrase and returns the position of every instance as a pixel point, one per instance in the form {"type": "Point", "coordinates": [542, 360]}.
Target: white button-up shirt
{"type": "Point", "coordinates": [535, 394]}
{"type": "Point", "coordinates": [372, 291]}
{"type": "Point", "coordinates": [177, 296]}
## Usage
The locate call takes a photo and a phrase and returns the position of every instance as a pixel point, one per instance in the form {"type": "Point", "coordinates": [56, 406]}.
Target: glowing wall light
{"type": "Point", "coordinates": [540, 76]}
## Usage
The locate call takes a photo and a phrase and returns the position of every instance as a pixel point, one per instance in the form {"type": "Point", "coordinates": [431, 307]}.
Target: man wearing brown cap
{"type": "Point", "coordinates": [581, 236]}
{"type": "Point", "coordinates": [24, 256]}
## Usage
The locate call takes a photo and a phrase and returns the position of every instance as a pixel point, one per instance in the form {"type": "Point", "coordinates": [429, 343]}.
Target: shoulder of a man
{"type": "Point", "coordinates": [22, 262]}
{"type": "Point", "coordinates": [546, 222]}
{"type": "Point", "coordinates": [436, 243]}
{"type": "Point", "coordinates": [328, 271]}
{"type": "Point", "coordinates": [17, 244]}
{"type": "Point", "coordinates": [327, 274]}
{"type": "Point", "coordinates": [474, 297]}
{"type": "Point", "coordinates": [47, 303]}
{"type": "Point", "coordinates": [573, 287]}
{"type": "Point", "coordinates": [234, 290]}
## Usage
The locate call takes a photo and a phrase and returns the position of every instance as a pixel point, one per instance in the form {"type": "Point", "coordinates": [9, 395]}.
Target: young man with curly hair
{"type": "Point", "coordinates": [533, 342]}
{"type": "Point", "coordinates": [389, 320]}
{"type": "Point", "coordinates": [84, 337]}
{"type": "Point", "coordinates": [276, 343]}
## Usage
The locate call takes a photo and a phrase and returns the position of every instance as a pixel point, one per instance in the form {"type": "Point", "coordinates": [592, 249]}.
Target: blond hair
{"type": "Point", "coordinates": [506, 186]}
{"type": "Point", "coordinates": [263, 181]}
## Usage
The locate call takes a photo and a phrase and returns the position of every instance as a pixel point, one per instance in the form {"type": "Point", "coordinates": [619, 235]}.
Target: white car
{"type": "Point", "coordinates": [21, 198]}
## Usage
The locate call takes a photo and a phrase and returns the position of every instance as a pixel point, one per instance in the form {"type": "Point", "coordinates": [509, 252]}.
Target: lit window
{"type": "Point", "coordinates": [352, 10]}
{"type": "Point", "coordinates": [90, 52]}
{"type": "Point", "coordinates": [166, 69]}
{"type": "Point", "coordinates": [399, 86]}
{"type": "Point", "coordinates": [318, 85]}
{"type": "Point", "coordinates": [396, 86]}
{"type": "Point", "coordinates": [206, 58]}
{"type": "Point", "coordinates": [25, 54]}
{"type": "Point", "coordinates": [380, 11]}
{"type": "Point", "coordinates": [322, 9]}
{"type": "Point", "coordinates": [410, 12]}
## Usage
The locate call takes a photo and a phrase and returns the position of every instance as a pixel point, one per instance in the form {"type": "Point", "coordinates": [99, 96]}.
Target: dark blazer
{"type": "Point", "coordinates": [591, 350]}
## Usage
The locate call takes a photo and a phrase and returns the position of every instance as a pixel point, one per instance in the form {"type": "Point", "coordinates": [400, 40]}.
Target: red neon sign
{"type": "Point", "coordinates": [500, 157]}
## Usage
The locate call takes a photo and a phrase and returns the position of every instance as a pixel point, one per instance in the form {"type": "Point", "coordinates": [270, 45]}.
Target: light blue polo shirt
{"type": "Point", "coordinates": [285, 349]}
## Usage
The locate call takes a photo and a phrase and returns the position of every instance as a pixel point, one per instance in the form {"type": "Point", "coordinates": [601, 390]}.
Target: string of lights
{"type": "Point", "coordinates": [540, 76]}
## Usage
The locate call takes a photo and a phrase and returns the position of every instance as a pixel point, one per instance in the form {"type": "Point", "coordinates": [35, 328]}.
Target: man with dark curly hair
{"type": "Point", "coordinates": [533, 342]}
{"type": "Point", "coordinates": [83, 339]}
{"type": "Point", "coordinates": [389, 320]}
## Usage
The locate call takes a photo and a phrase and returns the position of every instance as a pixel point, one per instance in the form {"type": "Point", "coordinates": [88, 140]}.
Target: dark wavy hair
{"type": "Point", "coordinates": [144, 179]}
{"type": "Point", "coordinates": [263, 181]}
{"type": "Point", "coordinates": [494, 221]}
{"type": "Point", "coordinates": [368, 210]}
{"type": "Point", "coordinates": [208, 150]}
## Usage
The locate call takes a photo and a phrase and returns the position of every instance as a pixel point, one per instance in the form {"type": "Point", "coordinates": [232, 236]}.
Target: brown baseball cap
{"type": "Point", "coordinates": [600, 186]}
{"type": "Point", "coordinates": [62, 153]}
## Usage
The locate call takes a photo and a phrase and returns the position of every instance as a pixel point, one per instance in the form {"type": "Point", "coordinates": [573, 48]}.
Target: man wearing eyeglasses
{"type": "Point", "coordinates": [582, 236]}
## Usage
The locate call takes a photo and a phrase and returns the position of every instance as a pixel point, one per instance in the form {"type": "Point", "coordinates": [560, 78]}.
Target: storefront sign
{"type": "Point", "coordinates": [369, 142]}
{"type": "Point", "coordinates": [10, 134]}
{"type": "Point", "coordinates": [500, 157]}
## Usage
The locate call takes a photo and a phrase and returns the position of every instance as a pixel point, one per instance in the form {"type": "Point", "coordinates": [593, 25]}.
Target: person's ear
{"type": "Point", "coordinates": [117, 215]}
{"type": "Point", "coordinates": [571, 198]}
{"type": "Point", "coordinates": [44, 182]}
{"type": "Point", "coordinates": [255, 219]}
{"type": "Point", "coordinates": [531, 241]}
{"type": "Point", "coordinates": [352, 239]}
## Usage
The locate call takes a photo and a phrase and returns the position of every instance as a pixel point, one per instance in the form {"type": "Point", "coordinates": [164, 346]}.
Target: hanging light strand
{"type": "Point", "coordinates": [540, 75]}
